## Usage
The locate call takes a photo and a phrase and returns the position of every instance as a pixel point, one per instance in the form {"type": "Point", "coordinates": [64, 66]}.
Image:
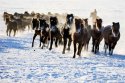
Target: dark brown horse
{"type": "Point", "coordinates": [111, 35]}
{"type": "Point", "coordinates": [79, 37]}
{"type": "Point", "coordinates": [97, 35]}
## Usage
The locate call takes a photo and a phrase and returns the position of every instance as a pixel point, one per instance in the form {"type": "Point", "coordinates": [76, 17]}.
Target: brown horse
{"type": "Point", "coordinates": [88, 28]}
{"type": "Point", "coordinates": [96, 35]}
{"type": "Point", "coordinates": [79, 37]}
{"type": "Point", "coordinates": [11, 25]}
{"type": "Point", "coordinates": [111, 35]}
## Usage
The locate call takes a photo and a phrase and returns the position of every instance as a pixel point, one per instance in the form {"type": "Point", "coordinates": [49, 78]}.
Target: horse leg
{"type": "Point", "coordinates": [40, 40]}
{"type": "Point", "coordinates": [14, 32]}
{"type": "Point", "coordinates": [69, 43]}
{"type": "Point", "coordinates": [44, 41]}
{"type": "Point", "coordinates": [47, 40]}
{"type": "Point", "coordinates": [110, 48]}
{"type": "Point", "coordinates": [87, 46]}
{"type": "Point", "coordinates": [93, 44]}
{"type": "Point", "coordinates": [96, 46]}
{"type": "Point", "coordinates": [7, 31]}
{"type": "Point", "coordinates": [64, 46]}
{"type": "Point", "coordinates": [28, 27]}
{"type": "Point", "coordinates": [105, 47]}
{"type": "Point", "coordinates": [33, 39]}
{"type": "Point", "coordinates": [51, 43]}
{"type": "Point", "coordinates": [10, 31]}
{"type": "Point", "coordinates": [97, 49]}
{"type": "Point", "coordinates": [79, 49]}
{"type": "Point", "coordinates": [56, 42]}
{"type": "Point", "coordinates": [74, 50]}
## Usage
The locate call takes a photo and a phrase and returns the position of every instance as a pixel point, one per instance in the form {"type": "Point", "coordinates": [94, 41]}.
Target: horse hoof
{"type": "Point", "coordinates": [50, 48]}
{"type": "Point", "coordinates": [63, 52]}
{"type": "Point", "coordinates": [92, 50]}
{"type": "Point", "coordinates": [68, 49]}
{"type": "Point", "coordinates": [73, 56]}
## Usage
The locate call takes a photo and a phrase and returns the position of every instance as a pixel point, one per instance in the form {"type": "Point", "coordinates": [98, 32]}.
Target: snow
{"type": "Point", "coordinates": [21, 63]}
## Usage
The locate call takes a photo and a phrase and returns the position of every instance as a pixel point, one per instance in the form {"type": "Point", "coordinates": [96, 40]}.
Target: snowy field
{"type": "Point", "coordinates": [20, 63]}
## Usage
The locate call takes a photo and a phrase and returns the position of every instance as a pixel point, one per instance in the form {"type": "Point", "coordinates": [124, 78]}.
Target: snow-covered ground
{"type": "Point", "coordinates": [21, 63]}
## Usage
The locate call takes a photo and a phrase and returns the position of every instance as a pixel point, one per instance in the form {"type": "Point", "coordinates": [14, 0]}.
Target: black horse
{"type": "Point", "coordinates": [66, 32]}
{"type": "Point", "coordinates": [54, 31]}
{"type": "Point", "coordinates": [41, 29]}
{"type": "Point", "coordinates": [35, 23]}
{"type": "Point", "coordinates": [111, 36]}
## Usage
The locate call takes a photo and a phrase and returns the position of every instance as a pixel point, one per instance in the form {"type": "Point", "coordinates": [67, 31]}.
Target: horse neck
{"type": "Point", "coordinates": [99, 26]}
{"type": "Point", "coordinates": [53, 26]}
{"type": "Point", "coordinates": [86, 25]}
{"type": "Point", "coordinates": [67, 26]}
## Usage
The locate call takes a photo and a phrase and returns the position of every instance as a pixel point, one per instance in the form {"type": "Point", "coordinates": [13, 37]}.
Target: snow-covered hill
{"type": "Point", "coordinates": [21, 63]}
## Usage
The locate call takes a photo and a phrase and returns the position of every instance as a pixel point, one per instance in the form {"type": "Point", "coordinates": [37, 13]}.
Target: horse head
{"type": "Point", "coordinates": [42, 24]}
{"type": "Point", "coordinates": [53, 23]}
{"type": "Point", "coordinates": [69, 19]}
{"type": "Point", "coordinates": [99, 23]}
{"type": "Point", "coordinates": [35, 23]}
{"type": "Point", "coordinates": [85, 21]}
{"type": "Point", "coordinates": [79, 24]}
{"type": "Point", "coordinates": [115, 29]}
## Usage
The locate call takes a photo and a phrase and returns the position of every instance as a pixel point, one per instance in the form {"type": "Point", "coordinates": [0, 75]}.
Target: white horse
{"type": "Point", "coordinates": [94, 16]}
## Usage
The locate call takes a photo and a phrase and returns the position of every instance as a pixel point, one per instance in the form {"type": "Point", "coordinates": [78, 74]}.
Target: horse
{"type": "Point", "coordinates": [54, 31]}
{"type": "Point", "coordinates": [45, 30]}
{"type": "Point", "coordinates": [11, 25]}
{"type": "Point", "coordinates": [111, 36]}
{"type": "Point", "coordinates": [79, 37]}
{"type": "Point", "coordinates": [96, 33]}
{"type": "Point", "coordinates": [94, 16]}
{"type": "Point", "coordinates": [66, 32]}
{"type": "Point", "coordinates": [88, 28]}
{"type": "Point", "coordinates": [41, 29]}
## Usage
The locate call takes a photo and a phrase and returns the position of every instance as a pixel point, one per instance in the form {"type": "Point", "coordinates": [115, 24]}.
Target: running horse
{"type": "Point", "coordinates": [41, 29]}
{"type": "Point", "coordinates": [54, 32]}
{"type": "Point", "coordinates": [66, 32]}
{"type": "Point", "coordinates": [97, 37]}
{"type": "Point", "coordinates": [111, 36]}
{"type": "Point", "coordinates": [80, 36]}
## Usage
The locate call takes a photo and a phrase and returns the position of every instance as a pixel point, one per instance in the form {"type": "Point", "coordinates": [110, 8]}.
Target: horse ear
{"type": "Point", "coordinates": [118, 23]}
{"type": "Point", "coordinates": [96, 19]}
{"type": "Point", "coordinates": [75, 19]}
{"type": "Point", "coordinates": [71, 14]}
{"type": "Point", "coordinates": [113, 23]}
